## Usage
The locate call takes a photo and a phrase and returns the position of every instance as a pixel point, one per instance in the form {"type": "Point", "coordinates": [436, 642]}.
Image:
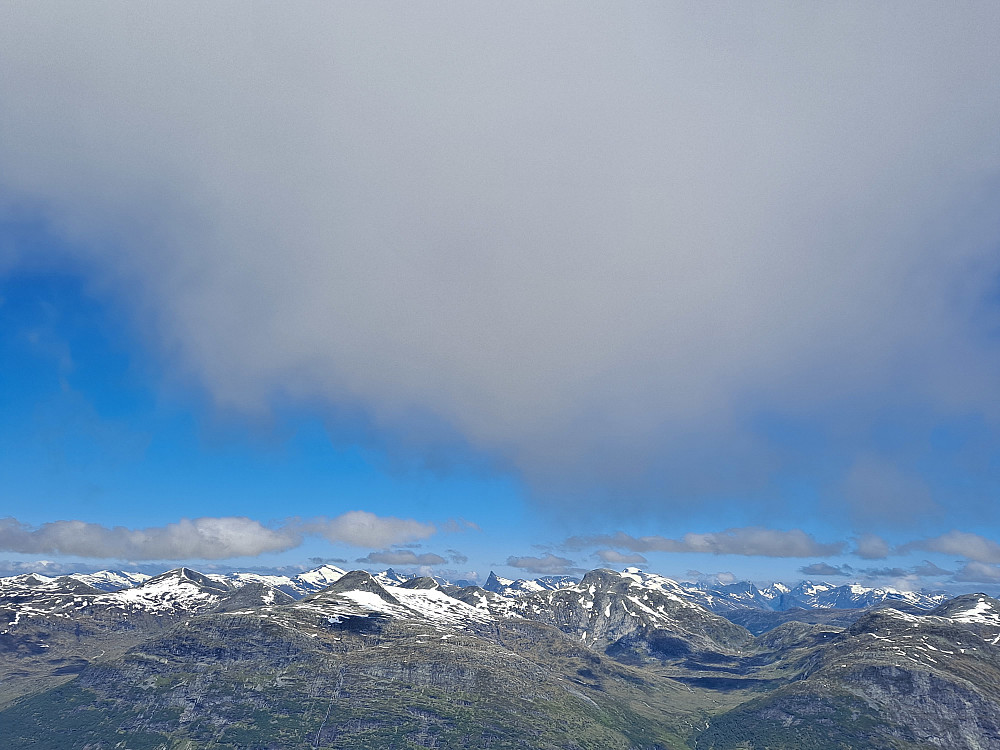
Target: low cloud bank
{"type": "Point", "coordinates": [204, 538]}
{"type": "Point", "coordinates": [748, 541]}
{"type": "Point", "coordinates": [402, 557]}
{"type": "Point", "coordinates": [547, 564]}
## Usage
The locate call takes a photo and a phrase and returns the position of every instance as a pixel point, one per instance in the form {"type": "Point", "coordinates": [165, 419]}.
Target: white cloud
{"type": "Point", "coordinates": [871, 547]}
{"type": "Point", "coordinates": [962, 544]}
{"type": "Point", "coordinates": [593, 246]}
{"type": "Point", "coordinates": [205, 538]}
{"type": "Point", "coordinates": [363, 529]}
{"type": "Point", "coordinates": [620, 558]}
{"type": "Point", "coordinates": [198, 538]}
{"type": "Point", "coordinates": [750, 541]}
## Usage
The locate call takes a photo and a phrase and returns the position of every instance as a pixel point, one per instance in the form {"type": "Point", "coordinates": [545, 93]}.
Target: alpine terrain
{"type": "Point", "coordinates": [632, 660]}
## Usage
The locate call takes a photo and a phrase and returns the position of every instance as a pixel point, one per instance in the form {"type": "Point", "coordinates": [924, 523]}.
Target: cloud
{"type": "Point", "coordinates": [886, 572]}
{"type": "Point", "coordinates": [198, 538]}
{"type": "Point", "coordinates": [402, 557]}
{"type": "Point", "coordinates": [750, 541]}
{"type": "Point", "coordinates": [363, 529]}
{"type": "Point", "coordinates": [871, 547]}
{"type": "Point", "coordinates": [548, 564]}
{"type": "Point", "coordinates": [594, 250]}
{"type": "Point", "coordinates": [928, 569]}
{"type": "Point", "coordinates": [619, 558]}
{"type": "Point", "coordinates": [456, 557]}
{"type": "Point", "coordinates": [459, 525]}
{"type": "Point", "coordinates": [205, 538]}
{"type": "Point", "coordinates": [978, 572]}
{"type": "Point", "coordinates": [326, 560]}
{"type": "Point", "coordinates": [960, 543]}
{"type": "Point", "coordinates": [825, 569]}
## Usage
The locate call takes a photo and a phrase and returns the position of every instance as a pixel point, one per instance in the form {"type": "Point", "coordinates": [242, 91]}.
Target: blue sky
{"type": "Point", "coordinates": [711, 291]}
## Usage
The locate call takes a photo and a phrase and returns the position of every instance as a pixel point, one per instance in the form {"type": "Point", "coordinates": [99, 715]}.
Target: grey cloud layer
{"type": "Point", "coordinates": [978, 572]}
{"type": "Point", "coordinates": [402, 557]}
{"type": "Point", "coordinates": [203, 538]}
{"type": "Point", "coordinates": [594, 245]}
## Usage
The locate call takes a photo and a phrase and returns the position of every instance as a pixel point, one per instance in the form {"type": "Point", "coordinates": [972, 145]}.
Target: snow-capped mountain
{"type": "Point", "coordinates": [611, 641]}
{"type": "Point", "coordinates": [318, 578]}
{"type": "Point", "coordinates": [509, 587]}
{"type": "Point", "coordinates": [295, 586]}
{"type": "Point", "coordinates": [111, 580]}
{"type": "Point", "coordinates": [358, 594]}
{"type": "Point", "coordinates": [806, 595]}
{"type": "Point", "coordinates": [390, 577]}
{"type": "Point", "coordinates": [181, 589]}
{"type": "Point", "coordinates": [607, 607]}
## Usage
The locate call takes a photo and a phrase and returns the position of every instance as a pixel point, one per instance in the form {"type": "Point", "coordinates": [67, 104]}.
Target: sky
{"type": "Point", "coordinates": [450, 287]}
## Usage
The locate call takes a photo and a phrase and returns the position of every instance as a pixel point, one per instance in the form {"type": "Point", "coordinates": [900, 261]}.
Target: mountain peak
{"type": "Point", "coordinates": [187, 576]}
{"type": "Point", "coordinates": [606, 579]}
{"type": "Point", "coordinates": [359, 580]}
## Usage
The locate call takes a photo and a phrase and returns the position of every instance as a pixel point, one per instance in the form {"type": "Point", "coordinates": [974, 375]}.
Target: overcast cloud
{"type": "Point", "coordinates": [595, 243]}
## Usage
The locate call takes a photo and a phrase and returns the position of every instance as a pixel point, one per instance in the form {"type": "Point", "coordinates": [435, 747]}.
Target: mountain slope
{"type": "Point", "coordinates": [892, 680]}
{"type": "Point", "coordinates": [358, 665]}
{"type": "Point", "coordinates": [618, 660]}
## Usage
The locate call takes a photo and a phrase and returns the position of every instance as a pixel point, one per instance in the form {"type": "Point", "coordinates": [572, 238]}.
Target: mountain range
{"type": "Point", "coordinates": [346, 659]}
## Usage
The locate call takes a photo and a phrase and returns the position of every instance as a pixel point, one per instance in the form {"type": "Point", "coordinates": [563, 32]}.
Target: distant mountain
{"type": "Point", "coordinates": [806, 595]}
{"type": "Point", "coordinates": [508, 587]}
{"type": "Point", "coordinates": [111, 580]}
{"type": "Point", "coordinates": [295, 586]}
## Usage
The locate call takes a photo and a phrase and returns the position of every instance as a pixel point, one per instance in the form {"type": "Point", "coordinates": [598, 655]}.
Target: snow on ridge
{"type": "Point", "coordinates": [322, 576]}
{"type": "Point", "coordinates": [111, 580]}
{"type": "Point", "coordinates": [424, 605]}
{"type": "Point", "coordinates": [165, 595]}
{"type": "Point", "coordinates": [982, 613]}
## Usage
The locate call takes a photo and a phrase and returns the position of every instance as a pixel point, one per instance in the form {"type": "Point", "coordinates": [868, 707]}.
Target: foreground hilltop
{"type": "Point", "coordinates": [345, 659]}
